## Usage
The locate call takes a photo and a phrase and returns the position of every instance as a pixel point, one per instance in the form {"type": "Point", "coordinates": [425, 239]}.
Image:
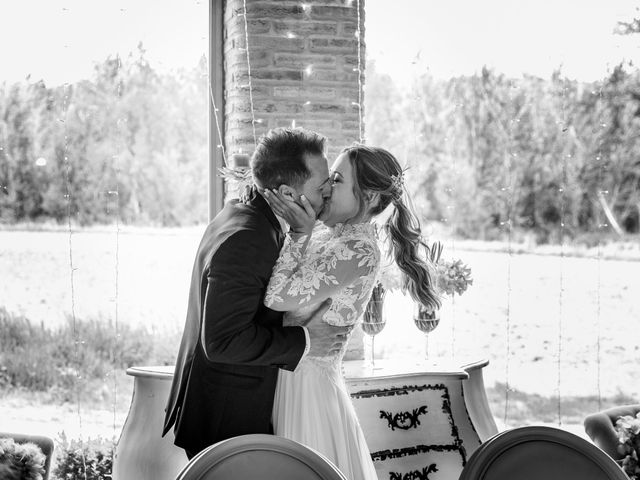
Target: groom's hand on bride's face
{"type": "Point", "coordinates": [297, 211]}
{"type": "Point", "coordinates": [324, 338]}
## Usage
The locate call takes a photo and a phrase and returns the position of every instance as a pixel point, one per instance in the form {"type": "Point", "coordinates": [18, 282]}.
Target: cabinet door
{"type": "Point", "coordinates": [397, 417]}
{"type": "Point", "coordinates": [415, 427]}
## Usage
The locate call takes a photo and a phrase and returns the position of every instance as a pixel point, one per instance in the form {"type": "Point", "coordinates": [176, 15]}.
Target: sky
{"type": "Point", "coordinates": [60, 40]}
{"type": "Point", "coordinates": [453, 37]}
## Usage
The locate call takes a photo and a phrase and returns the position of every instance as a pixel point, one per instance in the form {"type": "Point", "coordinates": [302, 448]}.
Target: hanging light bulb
{"type": "Point", "coordinates": [246, 36]}
{"type": "Point", "coordinates": [360, 83]}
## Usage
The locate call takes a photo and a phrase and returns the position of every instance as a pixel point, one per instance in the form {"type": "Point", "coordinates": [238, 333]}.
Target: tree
{"type": "Point", "coordinates": [21, 118]}
{"type": "Point", "coordinates": [129, 140]}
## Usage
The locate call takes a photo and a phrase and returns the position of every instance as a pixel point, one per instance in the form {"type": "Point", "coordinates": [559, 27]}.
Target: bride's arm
{"type": "Point", "coordinates": [298, 279]}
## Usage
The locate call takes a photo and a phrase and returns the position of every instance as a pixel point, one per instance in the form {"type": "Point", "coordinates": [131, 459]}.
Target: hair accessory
{"type": "Point", "coordinates": [397, 182]}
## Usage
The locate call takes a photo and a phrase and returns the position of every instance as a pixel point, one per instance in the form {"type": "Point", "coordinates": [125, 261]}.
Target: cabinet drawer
{"type": "Point", "coordinates": [399, 417]}
{"type": "Point", "coordinates": [419, 463]}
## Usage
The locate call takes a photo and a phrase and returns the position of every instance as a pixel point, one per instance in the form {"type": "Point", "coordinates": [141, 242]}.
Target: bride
{"type": "Point", "coordinates": [340, 260]}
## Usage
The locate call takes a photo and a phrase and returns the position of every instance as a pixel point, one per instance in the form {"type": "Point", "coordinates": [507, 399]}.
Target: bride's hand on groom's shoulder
{"type": "Point", "coordinates": [301, 217]}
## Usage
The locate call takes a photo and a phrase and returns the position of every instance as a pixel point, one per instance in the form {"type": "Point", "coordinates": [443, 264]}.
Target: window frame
{"type": "Point", "coordinates": [216, 93]}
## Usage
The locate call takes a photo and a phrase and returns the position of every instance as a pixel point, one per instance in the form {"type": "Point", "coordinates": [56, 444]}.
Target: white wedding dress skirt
{"type": "Point", "coordinates": [312, 406]}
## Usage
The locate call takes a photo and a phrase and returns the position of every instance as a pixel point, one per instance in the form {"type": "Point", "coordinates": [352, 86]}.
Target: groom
{"type": "Point", "coordinates": [232, 345]}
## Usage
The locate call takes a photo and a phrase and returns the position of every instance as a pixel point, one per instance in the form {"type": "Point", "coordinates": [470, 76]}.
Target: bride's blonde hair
{"type": "Point", "coordinates": [377, 171]}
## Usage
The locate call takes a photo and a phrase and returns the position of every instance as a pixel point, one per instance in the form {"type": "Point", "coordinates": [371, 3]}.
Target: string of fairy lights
{"type": "Point", "coordinates": [601, 225]}
{"type": "Point", "coordinates": [217, 121]}
{"type": "Point", "coordinates": [360, 72]}
{"type": "Point", "coordinates": [508, 188]}
{"type": "Point", "coordinates": [562, 199]}
{"type": "Point", "coordinates": [72, 269]}
{"type": "Point", "coordinates": [250, 86]}
{"type": "Point", "coordinates": [450, 211]}
{"type": "Point", "coordinates": [115, 194]}
{"type": "Point", "coordinates": [507, 363]}
{"type": "Point", "coordinates": [415, 137]}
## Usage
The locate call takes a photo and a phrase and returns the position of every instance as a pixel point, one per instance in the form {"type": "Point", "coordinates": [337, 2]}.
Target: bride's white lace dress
{"type": "Point", "coordinates": [312, 405]}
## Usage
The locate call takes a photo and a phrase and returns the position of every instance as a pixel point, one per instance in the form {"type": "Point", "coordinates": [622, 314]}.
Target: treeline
{"type": "Point", "coordinates": [487, 153]}
{"type": "Point", "coordinates": [130, 142]}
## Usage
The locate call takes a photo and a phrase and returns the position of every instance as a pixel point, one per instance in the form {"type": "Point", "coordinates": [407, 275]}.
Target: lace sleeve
{"type": "Point", "coordinates": [301, 278]}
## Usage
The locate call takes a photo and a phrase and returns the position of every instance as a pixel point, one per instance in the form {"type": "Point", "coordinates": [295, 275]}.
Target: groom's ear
{"type": "Point", "coordinates": [288, 192]}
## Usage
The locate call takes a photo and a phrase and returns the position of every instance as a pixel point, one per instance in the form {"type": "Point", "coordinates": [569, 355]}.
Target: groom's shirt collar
{"type": "Point", "coordinates": [283, 224]}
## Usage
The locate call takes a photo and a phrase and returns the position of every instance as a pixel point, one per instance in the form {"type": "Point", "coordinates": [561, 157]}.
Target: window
{"type": "Point", "coordinates": [515, 142]}
{"type": "Point", "coordinates": [104, 149]}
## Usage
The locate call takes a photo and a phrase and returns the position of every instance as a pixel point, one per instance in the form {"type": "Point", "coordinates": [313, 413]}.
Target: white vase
{"type": "Point", "coordinates": [142, 453]}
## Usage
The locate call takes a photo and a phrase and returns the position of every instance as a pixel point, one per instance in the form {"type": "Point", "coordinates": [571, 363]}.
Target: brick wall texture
{"type": "Point", "coordinates": [303, 68]}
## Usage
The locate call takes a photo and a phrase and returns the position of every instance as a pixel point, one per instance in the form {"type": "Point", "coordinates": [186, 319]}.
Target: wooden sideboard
{"type": "Point", "coordinates": [419, 420]}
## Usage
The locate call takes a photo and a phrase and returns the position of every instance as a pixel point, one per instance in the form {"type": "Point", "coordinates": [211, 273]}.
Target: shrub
{"type": "Point", "coordinates": [91, 459]}
{"type": "Point", "coordinates": [26, 353]}
{"type": "Point", "coordinates": [73, 357]}
{"type": "Point", "coordinates": [96, 346]}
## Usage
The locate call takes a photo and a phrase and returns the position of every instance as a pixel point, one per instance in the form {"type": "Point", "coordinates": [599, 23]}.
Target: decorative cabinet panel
{"type": "Point", "coordinates": [417, 424]}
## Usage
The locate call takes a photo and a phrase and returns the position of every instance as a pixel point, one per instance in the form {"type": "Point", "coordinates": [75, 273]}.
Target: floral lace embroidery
{"type": "Point", "coordinates": [341, 263]}
{"type": "Point", "coordinates": [290, 256]}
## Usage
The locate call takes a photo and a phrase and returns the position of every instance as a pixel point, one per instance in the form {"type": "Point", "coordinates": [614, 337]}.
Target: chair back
{"type": "Point", "coordinates": [44, 443]}
{"type": "Point", "coordinates": [539, 452]}
{"type": "Point", "coordinates": [260, 456]}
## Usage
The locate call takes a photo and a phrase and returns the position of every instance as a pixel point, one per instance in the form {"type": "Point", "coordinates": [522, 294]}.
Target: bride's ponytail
{"type": "Point", "coordinates": [403, 231]}
{"type": "Point", "coordinates": [377, 171]}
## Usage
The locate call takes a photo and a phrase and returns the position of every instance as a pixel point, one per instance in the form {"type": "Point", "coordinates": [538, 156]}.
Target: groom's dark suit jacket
{"type": "Point", "coordinates": [232, 345]}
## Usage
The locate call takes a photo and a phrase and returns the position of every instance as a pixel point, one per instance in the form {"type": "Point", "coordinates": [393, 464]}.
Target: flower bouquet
{"type": "Point", "coordinates": [451, 276]}
{"type": "Point", "coordinates": [628, 430]}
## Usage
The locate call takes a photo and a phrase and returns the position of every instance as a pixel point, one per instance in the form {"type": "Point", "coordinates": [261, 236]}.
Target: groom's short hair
{"type": "Point", "coordinates": [280, 156]}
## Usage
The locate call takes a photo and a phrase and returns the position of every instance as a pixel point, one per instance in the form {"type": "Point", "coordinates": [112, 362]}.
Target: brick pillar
{"type": "Point", "coordinates": [303, 61]}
